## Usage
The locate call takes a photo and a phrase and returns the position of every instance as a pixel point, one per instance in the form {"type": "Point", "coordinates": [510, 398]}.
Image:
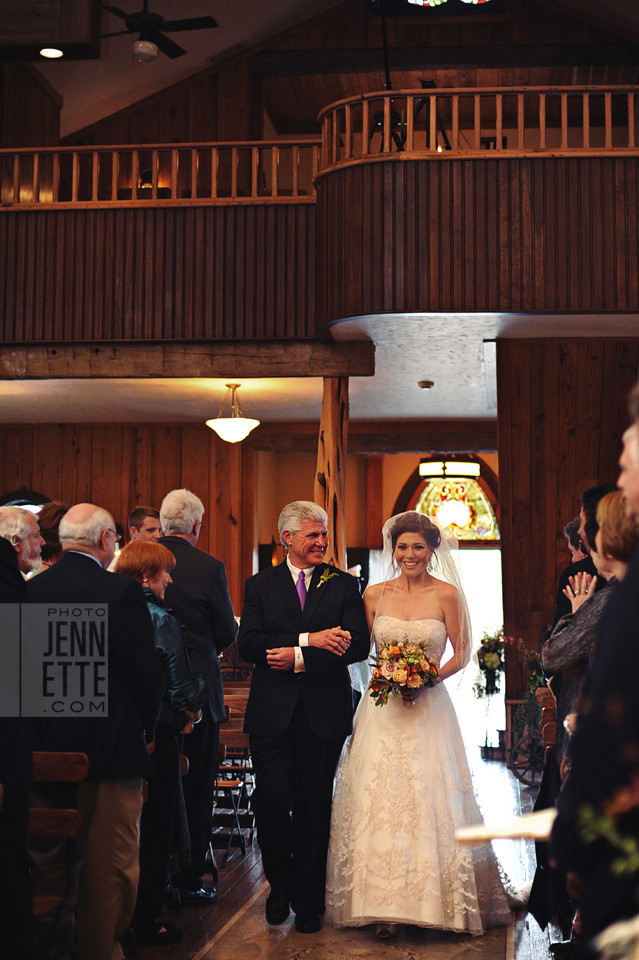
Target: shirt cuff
{"type": "Point", "coordinates": [303, 639]}
{"type": "Point", "coordinates": [299, 660]}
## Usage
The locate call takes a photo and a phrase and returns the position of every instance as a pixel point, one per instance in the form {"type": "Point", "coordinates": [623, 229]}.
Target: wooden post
{"type": "Point", "coordinates": [330, 476]}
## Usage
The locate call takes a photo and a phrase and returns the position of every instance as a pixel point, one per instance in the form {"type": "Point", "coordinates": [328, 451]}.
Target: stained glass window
{"type": "Point", "coordinates": [460, 504]}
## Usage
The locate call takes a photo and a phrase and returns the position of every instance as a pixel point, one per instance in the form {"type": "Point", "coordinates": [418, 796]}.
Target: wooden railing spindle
{"type": "Point", "coordinates": [542, 121]}
{"type": "Point", "coordinates": [433, 123]}
{"type": "Point", "coordinates": [334, 145]}
{"type": "Point", "coordinates": [365, 134]}
{"type": "Point", "coordinates": [520, 121]}
{"type": "Point", "coordinates": [95, 171]}
{"type": "Point", "coordinates": [410, 124]}
{"type": "Point", "coordinates": [193, 174]}
{"type": "Point", "coordinates": [255, 161]}
{"type": "Point", "coordinates": [115, 169]}
{"type": "Point", "coordinates": [234, 172]}
{"type": "Point", "coordinates": [154, 175]}
{"type": "Point", "coordinates": [564, 121]}
{"type": "Point", "coordinates": [608, 116]}
{"type": "Point", "coordinates": [387, 124]}
{"type": "Point", "coordinates": [135, 173]}
{"type": "Point", "coordinates": [215, 165]}
{"type": "Point", "coordinates": [275, 157]}
{"type": "Point", "coordinates": [348, 132]}
{"type": "Point", "coordinates": [455, 143]}
{"type": "Point", "coordinates": [35, 183]}
{"type": "Point", "coordinates": [174, 174]}
{"type": "Point", "coordinates": [631, 120]}
{"type": "Point", "coordinates": [56, 176]}
{"type": "Point", "coordinates": [477, 117]}
{"type": "Point", "coordinates": [316, 158]}
{"type": "Point", "coordinates": [499, 120]}
{"type": "Point", "coordinates": [586, 121]}
{"type": "Point", "coordinates": [296, 164]}
{"type": "Point", "coordinates": [75, 177]}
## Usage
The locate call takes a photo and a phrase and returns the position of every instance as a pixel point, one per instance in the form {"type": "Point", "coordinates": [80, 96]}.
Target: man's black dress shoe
{"type": "Point", "coordinates": [197, 898]}
{"type": "Point", "coordinates": [277, 908]}
{"type": "Point", "coordinates": [308, 923]}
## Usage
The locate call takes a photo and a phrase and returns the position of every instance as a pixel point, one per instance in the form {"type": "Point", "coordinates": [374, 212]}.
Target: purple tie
{"type": "Point", "coordinates": [301, 588]}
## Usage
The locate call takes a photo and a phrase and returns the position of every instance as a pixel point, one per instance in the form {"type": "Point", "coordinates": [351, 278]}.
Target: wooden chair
{"type": "Point", "coordinates": [50, 823]}
{"type": "Point", "coordinates": [235, 776]}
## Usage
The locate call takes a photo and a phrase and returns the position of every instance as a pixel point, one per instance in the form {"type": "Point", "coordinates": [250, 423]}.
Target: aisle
{"type": "Point", "coordinates": [235, 928]}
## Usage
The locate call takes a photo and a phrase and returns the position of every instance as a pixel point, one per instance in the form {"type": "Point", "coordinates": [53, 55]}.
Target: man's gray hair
{"type": "Point", "coordinates": [15, 523]}
{"type": "Point", "coordinates": [179, 512]}
{"type": "Point", "coordinates": [294, 514]}
{"type": "Point", "coordinates": [85, 532]}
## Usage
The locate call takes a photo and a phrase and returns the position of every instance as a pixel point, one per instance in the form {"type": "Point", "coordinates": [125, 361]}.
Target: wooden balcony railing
{"type": "Point", "coordinates": [191, 174]}
{"type": "Point", "coordinates": [474, 122]}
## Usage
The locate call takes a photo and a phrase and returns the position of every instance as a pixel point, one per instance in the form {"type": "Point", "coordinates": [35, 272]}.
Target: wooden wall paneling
{"type": "Point", "coordinates": [195, 467]}
{"type": "Point", "coordinates": [47, 460]}
{"type": "Point", "coordinates": [17, 459]}
{"type": "Point", "coordinates": [29, 108]}
{"type": "Point", "coordinates": [374, 502]}
{"type": "Point", "coordinates": [106, 456]}
{"type": "Point", "coordinates": [166, 459]}
{"type": "Point", "coordinates": [76, 480]}
{"type": "Point", "coordinates": [620, 366]}
{"type": "Point", "coordinates": [174, 117]}
{"type": "Point", "coordinates": [248, 526]}
{"type": "Point", "coordinates": [203, 111]}
{"type": "Point", "coordinates": [225, 511]}
{"type": "Point", "coordinates": [140, 475]}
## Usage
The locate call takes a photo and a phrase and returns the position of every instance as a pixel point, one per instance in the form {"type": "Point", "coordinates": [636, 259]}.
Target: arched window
{"type": "Point", "coordinates": [461, 493]}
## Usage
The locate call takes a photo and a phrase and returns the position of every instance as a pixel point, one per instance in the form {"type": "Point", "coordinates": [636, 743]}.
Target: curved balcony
{"type": "Point", "coordinates": [478, 123]}
{"type": "Point", "coordinates": [479, 200]}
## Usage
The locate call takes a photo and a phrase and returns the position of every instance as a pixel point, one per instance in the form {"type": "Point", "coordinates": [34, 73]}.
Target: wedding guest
{"type": "Point", "coordinates": [144, 524]}
{"type": "Point", "coordinates": [575, 543]}
{"type": "Point", "coordinates": [604, 755]}
{"type": "Point", "coordinates": [21, 528]}
{"type": "Point", "coordinates": [587, 531]}
{"type": "Point", "coordinates": [199, 595]}
{"type": "Point", "coordinates": [151, 564]}
{"type": "Point", "coordinates": [110, 800]}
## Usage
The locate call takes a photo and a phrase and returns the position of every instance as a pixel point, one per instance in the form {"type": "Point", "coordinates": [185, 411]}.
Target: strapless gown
{"type": "Point", "coordinates": [402, 788]}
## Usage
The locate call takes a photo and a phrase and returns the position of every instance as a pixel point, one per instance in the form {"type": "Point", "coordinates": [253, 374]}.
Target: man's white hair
{"type": "Point", "coordinates": [179, 512]}
{"type": "Point", "coordinates": [85, 532]}
{"type": "Point", "coordinates": [294, 514]}
{"type": "Point", "coordinates": [631, 440]}
{"type": "Point", "coordinates": [15, 524]}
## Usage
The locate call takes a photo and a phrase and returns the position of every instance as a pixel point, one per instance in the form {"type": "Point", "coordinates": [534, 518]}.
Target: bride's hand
{"type": "Point", "coordinates": [410, 696]}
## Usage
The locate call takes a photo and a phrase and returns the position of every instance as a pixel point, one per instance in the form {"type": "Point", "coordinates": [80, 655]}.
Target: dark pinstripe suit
{"type": "Point", "coordinates": [298, 722]}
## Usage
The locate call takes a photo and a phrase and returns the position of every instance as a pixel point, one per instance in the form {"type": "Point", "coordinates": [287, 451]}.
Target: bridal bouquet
{"type": "Point", "coordinates": [401, 667]}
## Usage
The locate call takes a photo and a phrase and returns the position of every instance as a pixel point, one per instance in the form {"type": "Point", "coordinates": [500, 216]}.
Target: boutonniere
{"type": "Point", "coordinates": [327, 574]}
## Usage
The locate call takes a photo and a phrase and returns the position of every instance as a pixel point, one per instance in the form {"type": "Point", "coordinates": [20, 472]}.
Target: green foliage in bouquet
{"type": "Point", "coordinates": [528, 713]}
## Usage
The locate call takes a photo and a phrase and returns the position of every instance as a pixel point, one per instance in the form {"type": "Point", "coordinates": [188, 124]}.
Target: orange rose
{"type": "Point", "coordinates": [400, 676]}
{"type": "Point", "coordinates": [414, 681]}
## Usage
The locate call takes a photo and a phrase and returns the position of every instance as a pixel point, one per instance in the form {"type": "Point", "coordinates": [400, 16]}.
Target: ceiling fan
{"type": "Point", "coordinates": [152, 27]}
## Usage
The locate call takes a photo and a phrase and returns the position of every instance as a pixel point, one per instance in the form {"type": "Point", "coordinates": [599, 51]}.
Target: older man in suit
{"type": "Point", "coordinates": [303, 622]}
{"type": "Point", "coordinates": [110, 800]}
{"type": "Point", "coordinates": [199, 595]}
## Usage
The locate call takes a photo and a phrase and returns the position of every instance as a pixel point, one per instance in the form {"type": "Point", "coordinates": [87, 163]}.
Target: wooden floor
{"type": "Point", "coordinates": [500, 796]}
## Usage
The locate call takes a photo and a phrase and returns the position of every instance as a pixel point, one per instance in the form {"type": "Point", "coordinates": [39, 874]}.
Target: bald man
{"type": "Point", "coordinates": [111, 799]}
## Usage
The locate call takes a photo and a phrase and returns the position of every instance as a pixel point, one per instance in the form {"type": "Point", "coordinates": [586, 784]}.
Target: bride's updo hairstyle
{"type": "Point", "coordinates": [416, 523]}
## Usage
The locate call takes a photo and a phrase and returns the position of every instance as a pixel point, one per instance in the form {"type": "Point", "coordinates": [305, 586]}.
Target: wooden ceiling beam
{"type": "Point", "coordinates": [285, 63]}
{"type": "Point", "coordinates": [255, 358]}
{"type": "Point", "coordinates": [383, 436]}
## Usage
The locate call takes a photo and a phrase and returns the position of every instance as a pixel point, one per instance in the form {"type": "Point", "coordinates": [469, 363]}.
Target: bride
{"type": "Point", "coordinates": [403, 785]}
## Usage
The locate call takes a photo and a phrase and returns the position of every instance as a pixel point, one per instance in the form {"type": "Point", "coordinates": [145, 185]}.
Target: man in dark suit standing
{"type": "Point", "coordinates": [199, 595]}
{"type": "Point", "coordinates": [110, 801]}
{"type": "Point", "coordinates": [303, 622]}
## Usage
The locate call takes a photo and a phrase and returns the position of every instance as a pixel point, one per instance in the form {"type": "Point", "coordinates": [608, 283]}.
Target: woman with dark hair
{"type": "Point", "coordinates": [403, 785]}
{"type": "Point", "coordinates": [150, 564]}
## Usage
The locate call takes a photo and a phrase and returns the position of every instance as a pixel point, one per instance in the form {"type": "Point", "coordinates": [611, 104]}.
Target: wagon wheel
{"type": "Point", "coordinates": [527, 759]}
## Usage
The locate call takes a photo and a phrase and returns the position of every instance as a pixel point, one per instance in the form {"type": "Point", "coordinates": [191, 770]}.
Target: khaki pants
{"type": "Point", "coordinates": [109, 870]}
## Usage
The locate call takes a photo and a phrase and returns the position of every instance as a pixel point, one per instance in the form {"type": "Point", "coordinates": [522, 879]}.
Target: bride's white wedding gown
{"type": "Point", "coordinates": [402, 788]}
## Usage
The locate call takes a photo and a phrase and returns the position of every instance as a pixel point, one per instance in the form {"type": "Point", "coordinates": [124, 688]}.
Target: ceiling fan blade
{"type": "Point", "coordinates": [194, 23]}
{"type": "Point", "coordinates": [167, 46]}
{"type": "Point", "coordinates": [118, 33]}
{"type": "Point", "coordinates": [116, 11]}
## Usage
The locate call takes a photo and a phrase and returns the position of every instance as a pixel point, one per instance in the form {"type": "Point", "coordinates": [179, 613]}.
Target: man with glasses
{"type": "Point", "coordinates": [110, 800]}
{"type": "Point", "coordinates": [199, 596]}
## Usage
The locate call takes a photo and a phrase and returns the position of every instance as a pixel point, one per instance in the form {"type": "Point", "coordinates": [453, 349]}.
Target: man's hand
{"type": "Point", "coordinates": [281, 658]}
{"type": "Point", "coordinates": [194, 715]}
{"type": "Point", "coordinates": [335, 640]}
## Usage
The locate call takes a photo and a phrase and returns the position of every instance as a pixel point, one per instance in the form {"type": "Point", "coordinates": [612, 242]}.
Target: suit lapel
{"type": "Point", "coordinates": [284, 581]}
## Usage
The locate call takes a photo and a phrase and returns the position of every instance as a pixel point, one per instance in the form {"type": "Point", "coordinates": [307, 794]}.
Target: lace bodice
{"type": "Point", "coordinates": [388, 629]}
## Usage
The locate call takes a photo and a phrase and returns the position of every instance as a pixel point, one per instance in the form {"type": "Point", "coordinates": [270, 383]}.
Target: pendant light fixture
{"type": "Point", "coordinates": [235, 427]}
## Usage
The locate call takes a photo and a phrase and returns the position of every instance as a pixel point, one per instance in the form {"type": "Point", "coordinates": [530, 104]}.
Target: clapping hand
{"type": "Point", "coordinates": [581, 588]}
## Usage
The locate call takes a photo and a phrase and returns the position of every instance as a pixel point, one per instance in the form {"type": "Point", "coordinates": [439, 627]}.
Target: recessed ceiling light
{"type": "Point", "coordinates": [52, 53]}
{"type": "Point", "coordinates": [425, 384]}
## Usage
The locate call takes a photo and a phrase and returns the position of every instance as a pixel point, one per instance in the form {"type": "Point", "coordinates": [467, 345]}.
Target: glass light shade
{"type": "Point", "coordinates": [51, 53]}
{"type": "Point", "coordinates": [232, 429]}
{"type": "Point", "coordinates": [144, 50]}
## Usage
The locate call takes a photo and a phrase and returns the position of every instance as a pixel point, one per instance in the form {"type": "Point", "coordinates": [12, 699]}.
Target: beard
{"type": "Point", "coordinates": [33, 563]}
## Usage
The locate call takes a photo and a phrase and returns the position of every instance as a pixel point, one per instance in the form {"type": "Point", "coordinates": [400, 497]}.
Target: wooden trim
{"type": "Point", "coordinates": [256, 358]}
{"type": "Point", "coordinates": [300, 63]}
{"type": "Point", "coordinates": [380, 437]}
